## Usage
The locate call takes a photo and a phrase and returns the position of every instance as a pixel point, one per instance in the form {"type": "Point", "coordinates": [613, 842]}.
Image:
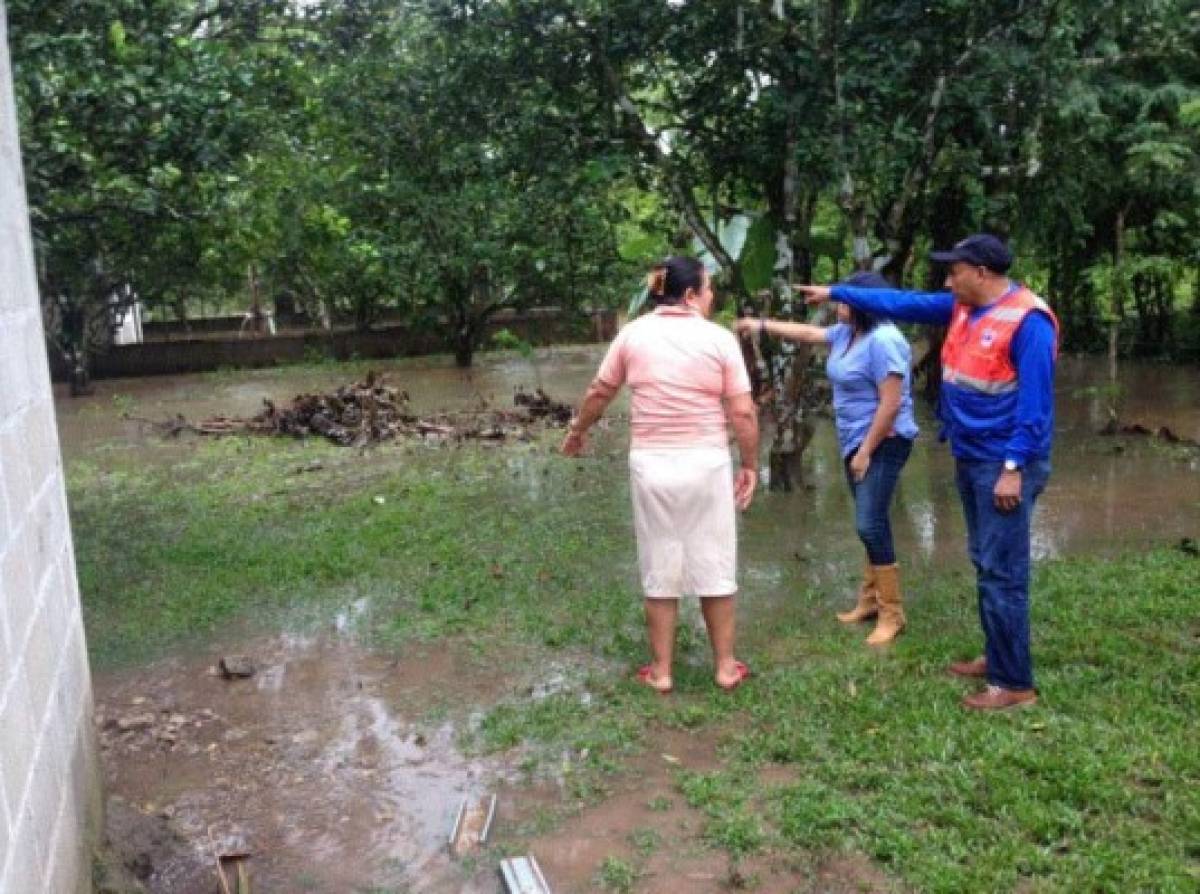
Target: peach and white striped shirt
{"type": "Point", "coordinates": [679, 367]}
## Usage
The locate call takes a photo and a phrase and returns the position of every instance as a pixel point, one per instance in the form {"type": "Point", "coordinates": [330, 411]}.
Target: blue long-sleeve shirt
{"type": "Point", "coordinates": [1032, 352]}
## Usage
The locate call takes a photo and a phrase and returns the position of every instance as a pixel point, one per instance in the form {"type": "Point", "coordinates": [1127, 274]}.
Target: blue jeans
{"type": "Point", "coordinates": [999, 546]}
{"type": "Point", "coordinates": [873, 497]}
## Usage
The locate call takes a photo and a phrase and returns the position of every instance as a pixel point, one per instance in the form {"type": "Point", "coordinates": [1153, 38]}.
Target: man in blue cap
{"type": "Point", "coordinates": [997, 411]}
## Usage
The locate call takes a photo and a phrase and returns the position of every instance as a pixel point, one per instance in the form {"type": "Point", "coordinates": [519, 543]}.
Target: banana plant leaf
{"type": "Point", "coordinates": [734, 236]}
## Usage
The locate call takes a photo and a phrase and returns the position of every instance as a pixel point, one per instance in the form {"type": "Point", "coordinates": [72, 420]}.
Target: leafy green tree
{"type": "Point", "coordinates": [439, 161]}
{"type": "Point", "coordinates": [1116, 206]}
{"type": "Point", "coordinates": [473, 201]}
{"type": "Point", "coordinates": [130, 111]}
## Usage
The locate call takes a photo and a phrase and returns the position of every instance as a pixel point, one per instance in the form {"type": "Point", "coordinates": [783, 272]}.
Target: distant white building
{"type": "Point", "coordinates": [129, 329]}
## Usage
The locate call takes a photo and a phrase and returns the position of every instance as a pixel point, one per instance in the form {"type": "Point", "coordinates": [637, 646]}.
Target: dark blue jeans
{"type": "Point", "coordinates": [873, 497]}
{"type": "Point", "coordinates": [999, 546]}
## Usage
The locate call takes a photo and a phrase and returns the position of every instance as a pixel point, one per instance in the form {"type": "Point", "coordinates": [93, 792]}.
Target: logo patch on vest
{"type": "Point", "coordinates": [987, 337]}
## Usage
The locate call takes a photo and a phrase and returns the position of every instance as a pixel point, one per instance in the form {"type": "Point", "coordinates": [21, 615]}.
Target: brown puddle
{"type": "Point", "coordinates": [325, 765]}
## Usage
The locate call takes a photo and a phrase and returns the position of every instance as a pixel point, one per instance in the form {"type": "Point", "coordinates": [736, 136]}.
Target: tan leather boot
{"type": "Point", "coordinates": [891, 610]}
{"type": "Point", "coordinates": [868, 603]}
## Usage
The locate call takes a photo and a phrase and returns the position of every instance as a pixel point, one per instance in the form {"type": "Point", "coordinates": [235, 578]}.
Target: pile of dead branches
{"type": "Point", "coordinates": [540, 405]}
{"type": "Point", "coordinates": [1162, 433]}
{"type": "Point", "coordinates": [371, 411]}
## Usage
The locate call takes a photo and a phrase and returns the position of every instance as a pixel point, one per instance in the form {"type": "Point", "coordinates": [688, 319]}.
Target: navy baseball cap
{"type": "Point", "coordinates": [981, 250]}
{"type": "Point", "coordinates": [867, 279]}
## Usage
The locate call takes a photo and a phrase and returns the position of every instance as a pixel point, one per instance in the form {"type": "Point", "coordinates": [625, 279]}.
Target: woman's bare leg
{"type": "Point", "coordinates": [722, 626]}
{"type": "Point", "coordinates": [661, 615]}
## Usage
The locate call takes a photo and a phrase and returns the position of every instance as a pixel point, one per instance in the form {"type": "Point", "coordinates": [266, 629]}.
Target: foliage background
{"type": "Point", "coordinates": [435, 161]}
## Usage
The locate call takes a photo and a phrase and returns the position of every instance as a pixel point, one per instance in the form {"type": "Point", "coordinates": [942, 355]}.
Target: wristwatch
{"type": "Point", "coordinates": [1010, 465]}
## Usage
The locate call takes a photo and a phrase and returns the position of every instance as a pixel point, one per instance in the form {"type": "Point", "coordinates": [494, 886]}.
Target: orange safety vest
{"type": "Point", "coordinates": [976, 353]}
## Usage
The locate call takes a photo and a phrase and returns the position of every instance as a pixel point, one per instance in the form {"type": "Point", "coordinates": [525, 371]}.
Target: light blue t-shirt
{"type": "Point", "coordinates": [856, 375]}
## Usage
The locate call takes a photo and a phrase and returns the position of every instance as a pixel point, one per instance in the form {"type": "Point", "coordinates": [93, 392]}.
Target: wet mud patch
{"type": "Point", "coordinates": [335, 767]}
{"type": "Point", "coordinates": [644, 836]}
{"type": "Point", "coordinates": [639, 833]}
{"type": "Point", "coordinates": [136, 846]}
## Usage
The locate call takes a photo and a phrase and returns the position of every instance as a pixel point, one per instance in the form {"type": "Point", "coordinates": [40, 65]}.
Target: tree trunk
{"type": "Point", "coordinates": [258, 319]}
{"type": "Point", "coordinates": [946, 218]}
{"type": "Point", "coordinates": [1113, 338]}
{"type": "Point", "coordinates": [1118, 312]}
{"type": "Point", "coordinates": [362, 315]}
{"type": "Point", "coordinates": [464, 349]}
{"type": "Point", "coordinates": [781, 465]}
{"type": "Point", "coordinates": [81, 378]}
{"type": "Point", "coordinates": [72, 341]}
{"type": "Point", "coordinates": [791, 363]}
{"type": "Point", "coordinates": [464, 336]}
{"type": "Point", "coordinates": [788, 365]}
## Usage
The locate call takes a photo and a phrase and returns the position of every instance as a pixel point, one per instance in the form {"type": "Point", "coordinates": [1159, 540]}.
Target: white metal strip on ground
{"type": "Point", "coordinates": [487, 825]}
{"type": "Point", "coordinates": [458, 818]}
{"type": "Point", "coordinates": [522, 875]}
{"type": "Point", "coordinates": [472, 825]}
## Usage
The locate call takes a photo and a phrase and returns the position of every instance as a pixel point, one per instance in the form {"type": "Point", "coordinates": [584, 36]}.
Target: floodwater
{"type": "Point", "coordinates": [1105, 494]}
{"type": "Point", "coordinates": [334, 769]}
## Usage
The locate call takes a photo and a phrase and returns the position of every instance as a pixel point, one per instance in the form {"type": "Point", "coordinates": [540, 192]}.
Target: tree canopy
{"type": "Point", "coordinates": [436, 161]}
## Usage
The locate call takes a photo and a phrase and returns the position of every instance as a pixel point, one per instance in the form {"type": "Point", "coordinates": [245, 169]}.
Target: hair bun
{"type": "Point", "coordinates": [656, 282]}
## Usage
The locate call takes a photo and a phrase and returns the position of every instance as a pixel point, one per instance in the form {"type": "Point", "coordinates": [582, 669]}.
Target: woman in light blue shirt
{"type": "Point", "coordinates": [869, 367]}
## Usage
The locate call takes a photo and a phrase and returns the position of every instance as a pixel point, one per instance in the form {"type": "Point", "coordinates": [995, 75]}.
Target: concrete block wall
{"type": "Point", "coordinates": [49, 780]}
{"type": "Point", "coordinates": [168, 353]}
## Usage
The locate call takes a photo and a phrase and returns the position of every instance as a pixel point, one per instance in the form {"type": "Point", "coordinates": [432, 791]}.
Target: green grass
{"type": "Point", "coordinates": [1096, 789]}
{"type": "Point", "coordinates": [443, 542]}
{"type": "Point", "coordinates": [617, 876]}
{"type": "Point", "coordinates": [645, 841]}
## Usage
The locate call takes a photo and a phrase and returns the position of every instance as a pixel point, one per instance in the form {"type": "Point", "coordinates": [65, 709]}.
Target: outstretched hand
{"type": "Point", "coordinates": [814, 294]}
{"type": "Point", "coordinates": [746, 325]}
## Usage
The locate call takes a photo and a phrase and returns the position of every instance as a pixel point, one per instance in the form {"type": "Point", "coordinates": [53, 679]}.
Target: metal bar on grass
{"type": "Point", "coordinates": [522, 875]}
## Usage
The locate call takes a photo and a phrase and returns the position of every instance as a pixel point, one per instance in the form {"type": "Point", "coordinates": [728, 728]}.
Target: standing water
{"type": "Point", "coordinates": [1105, 494]}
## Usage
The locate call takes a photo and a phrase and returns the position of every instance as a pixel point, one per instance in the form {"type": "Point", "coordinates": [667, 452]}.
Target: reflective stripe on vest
{"type": "Point", "coordinates": [977, 355]}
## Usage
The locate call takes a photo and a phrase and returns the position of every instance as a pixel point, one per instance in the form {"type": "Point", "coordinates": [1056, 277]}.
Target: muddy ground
{"type": "Point", "coordinates": [339, 770]}
{"type": "Point", "coordinates": [312, 765]}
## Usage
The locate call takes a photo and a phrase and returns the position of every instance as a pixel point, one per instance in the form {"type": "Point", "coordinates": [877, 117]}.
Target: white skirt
{"type": "Point", "coordinates": [684, 516]}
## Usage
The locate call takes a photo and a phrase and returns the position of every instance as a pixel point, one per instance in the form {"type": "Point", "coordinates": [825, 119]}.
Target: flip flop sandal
{"type": "Point", "coordinates": [743, 675]}
{"type": "Point", "coordinates": [643, 677]}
